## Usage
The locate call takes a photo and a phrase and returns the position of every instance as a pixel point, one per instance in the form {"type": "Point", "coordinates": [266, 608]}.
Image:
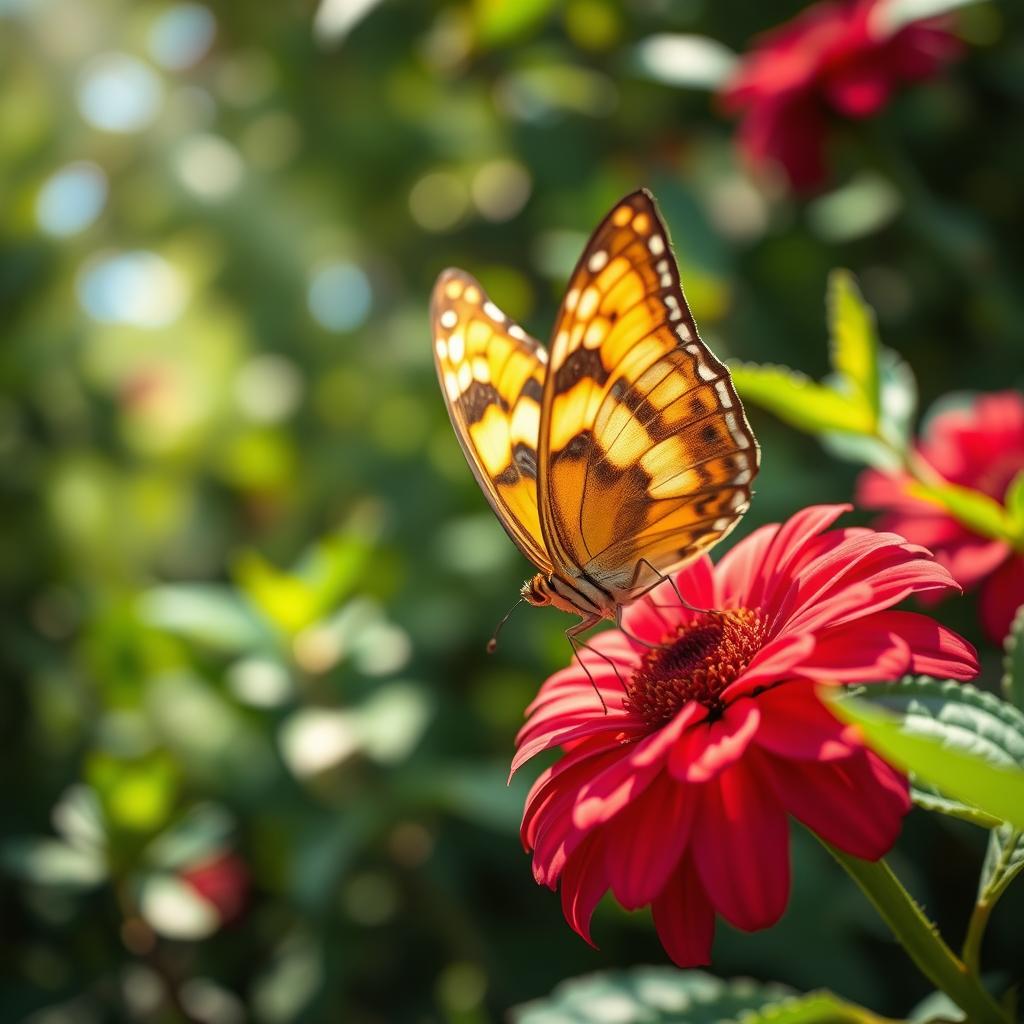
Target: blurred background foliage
{"type": "Point", "coordinates": [254, 753]}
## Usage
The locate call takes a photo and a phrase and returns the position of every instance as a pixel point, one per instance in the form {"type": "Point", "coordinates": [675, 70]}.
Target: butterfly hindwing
{"type": "Point", "coordinates": [645, 455]}
{"type": "Point", "coordinates": [492, 376]}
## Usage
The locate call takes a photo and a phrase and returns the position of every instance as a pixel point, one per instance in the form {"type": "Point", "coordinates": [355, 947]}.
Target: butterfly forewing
{"type": "Point", "coordinates": [645, 455]}
{"type": "Point", "coordinates": [492, 375]}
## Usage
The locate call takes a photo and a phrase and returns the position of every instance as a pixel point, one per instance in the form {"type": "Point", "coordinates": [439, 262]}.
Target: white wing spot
{"type": "Point", "coordinates": [572, 296]}
{"type": "Point", "coordinates": [481, 369]}
{"type": "Point", "coordinates": [666, 280]}
{"type": "Point", "coordinates": [465, 377]}
{"type": "Point", "coordinates": [656, 244]}
{"type": "Point", "coordinates": [542, 355]}
{"type": "Point", "coordinates": [441, 348]}
{"type": "Point", "coordinates": [597, 261]}
{"type": "Point", "coordinates": [674, 312]}
{"type": "Point", "coordinates": [706, 372]}
{"type": "Point", "coordinates": [721, 525]}
{"type": "Point", "coordinates": [515, 331]}
{"type": "Point", "coordinates": [494, 313]}
{"type": "Point", "coordinates": [742, 478]}
{"type": "Point", "coordinates": [588, 303]}
{"type": "Point", "coordinates": [456, 348]}
{"type": "Point", "coordinates": [683, 331]}
{"type": "Point", "coordinates": [472, 295]}
{"type": "Point", "coordinates": [451, 385]}
{"type": "Point", "coordinates": [449, 318]}
{"type": "Point", "coordinates": [724, 397]}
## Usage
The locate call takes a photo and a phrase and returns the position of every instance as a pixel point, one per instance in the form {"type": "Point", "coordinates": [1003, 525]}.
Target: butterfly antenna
{"type": "Point", "coordinates": [492, 644]}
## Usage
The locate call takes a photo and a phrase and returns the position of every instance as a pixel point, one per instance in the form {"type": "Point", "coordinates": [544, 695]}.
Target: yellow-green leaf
{"type": "Point", "coordinates": [798, 401]}
{"type": "Point", "coordinates": [854, 341]}
{"type": "Point", "coordinates": [978, 512]}
{"type": "Point", "coordinates": [995, 789]}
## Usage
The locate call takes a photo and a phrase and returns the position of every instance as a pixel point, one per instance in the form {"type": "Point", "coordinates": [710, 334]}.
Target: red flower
{"type": "Point", "coordinates": [223, 881]}
{"type": "Point", "coordinates": [678, 796]}
{"type": "Point", "coordinates": [982, 447]}
{"type": "Point", "coordinates": [834, 58]}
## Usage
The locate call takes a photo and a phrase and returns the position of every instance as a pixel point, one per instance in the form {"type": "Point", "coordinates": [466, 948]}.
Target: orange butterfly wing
{"type": "Point", "coordinates": [646, 457]}
{"type": "Point", "coordinates": [492, 376]}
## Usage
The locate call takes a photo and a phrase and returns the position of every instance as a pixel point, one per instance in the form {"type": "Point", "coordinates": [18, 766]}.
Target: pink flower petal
{"type": "Point", "coordinates": [788, 543]}
{"type": "Point", "coordinates": [741, 565]}
{"type": "Point", "coordinates": [609, 725]}
{"type": "Point", "coordinates": [706, 749]}
{"type": "Point", "coordinates": [796, 724]}
{"type": "Point", "coordinates": [933, 650]}
{"type": "Point", "coordinates": [741, 847]}
{"type": "Point", "coordinates": [1001, 596]}
{"type": "Point", "coordinates": [684, 918]}
{"type": "Point", "coordinates": [776, 661]}
{"type": "Point", "coordinates": [607, 793]}
{"type": "Point", "coordinates": [857, 804]}
{"type": "Point", "coordinates": [858, 652]}
{"type": "Point", "coordinates": [645, 842]}
{"type": "Point", "coordinates": [583, 884]}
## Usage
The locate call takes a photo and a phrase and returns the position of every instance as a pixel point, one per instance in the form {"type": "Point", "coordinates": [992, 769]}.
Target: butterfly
{"type": "Point", "coordinates": [618, 454]}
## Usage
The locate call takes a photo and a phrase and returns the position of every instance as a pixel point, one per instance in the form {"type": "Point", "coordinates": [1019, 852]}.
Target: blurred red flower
{"type": "Point", "coordinates": [834, 58]}
{"type": "Point", "coordinates": [678, 796]}
{"type": "Point", "coordinates": [223, 881]}
{"type": "Point", "coordinates": [981, 446]}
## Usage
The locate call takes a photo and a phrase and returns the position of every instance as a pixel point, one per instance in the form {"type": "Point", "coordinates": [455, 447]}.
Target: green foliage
{"type": "Point", "coordinates": [248, 577]}
{"type": "Point", "coordinates": [968, 744]}
{"type": "Point", "coordinates": [664, 996]}
{"type": "Point", "coordinates": [1013, 662]}
{"type": "Point", "coordinates": [855, 348]}
{"type": "Point", "coordinates": [864, 409]}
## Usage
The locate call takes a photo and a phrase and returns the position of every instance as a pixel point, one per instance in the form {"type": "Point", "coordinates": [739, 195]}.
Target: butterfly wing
{"type": "Point", "coordinates": [492, 376]}
{"type": "Point", "coordinates": [646, 457]}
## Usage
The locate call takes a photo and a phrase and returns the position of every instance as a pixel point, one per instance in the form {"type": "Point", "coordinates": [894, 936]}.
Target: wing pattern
{"type": "Point", "coordinates": [492, 375]}
{"type": "Point", "coordinates": [645, 457]}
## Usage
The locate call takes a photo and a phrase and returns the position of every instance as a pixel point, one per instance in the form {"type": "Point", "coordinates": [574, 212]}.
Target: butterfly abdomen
{"type": "Point", "coordinates": [579, 596]}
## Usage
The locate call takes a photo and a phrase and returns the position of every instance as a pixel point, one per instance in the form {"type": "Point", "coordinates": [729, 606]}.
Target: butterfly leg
{"type": "Point", "coordinates": [679, 597]}
{"type": "Point", "coordinates": [573, 636]}
{"type": "Point", "coordinates": [636, 639]}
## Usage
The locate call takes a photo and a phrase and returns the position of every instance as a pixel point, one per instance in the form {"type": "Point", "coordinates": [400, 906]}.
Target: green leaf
{"type": "Point", "coordinates": [208, 613]}
{"type": "Point", "coordinates": [978, 512]}
{"type": "Point", "coordinates": [1013, 661]}
{"type": "Point", "coordinates": [854, 341]}
{"type": "Point", "coordinates": [1004, 860]}
{"type": "Point", "coordinates": [664, 995]}
{"type": "Point", "coordinates": [499, 22]}
{"type": "Point", "coordinates": [896, 419]}
{"type": "Point", "coordinates": [967, 744]}
{"type": "Point", "coordinates": [52, 863]}
{"type": "Point", "coordinates": [1015, 501]}
{"type": "Point", "coordinates": [798, 401]}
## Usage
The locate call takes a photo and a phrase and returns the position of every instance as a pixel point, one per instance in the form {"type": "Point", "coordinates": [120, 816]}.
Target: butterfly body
{"type": "Point", "coordinates": [620, 453]}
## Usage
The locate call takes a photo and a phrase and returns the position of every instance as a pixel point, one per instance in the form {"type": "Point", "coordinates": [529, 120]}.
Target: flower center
{"type": "Point", "coordinates": [703, 658]}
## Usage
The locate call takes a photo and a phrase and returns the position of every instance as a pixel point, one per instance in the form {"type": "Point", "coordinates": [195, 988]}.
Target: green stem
{"type": "Point", "coordinates": [975, 933]}
{"type": "Point", "coordinates": [999, 880]}
{"type": "Point", "coordinates": [920, 938]}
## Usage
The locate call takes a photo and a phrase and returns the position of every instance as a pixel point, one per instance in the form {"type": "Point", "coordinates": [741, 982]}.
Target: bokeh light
{"type": "Point", "coordinates": [119, 93]}
{"type": "Point", "coordinates": [339, 296]}
{"type": "Point", "coordinates": [71, 199]}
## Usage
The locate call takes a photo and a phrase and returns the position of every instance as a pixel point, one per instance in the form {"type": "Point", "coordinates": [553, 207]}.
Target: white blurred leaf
{"type": "Point", "coordinates": [174, 909]}
{"type": "Point", "coordinates": [689, 61]}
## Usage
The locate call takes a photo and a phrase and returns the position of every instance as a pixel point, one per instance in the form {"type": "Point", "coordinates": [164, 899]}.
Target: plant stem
{"type": "Point", "coordinates": [987, 899]}
{"type": "Point", "coordinates": [921, 939]}
{"type": "Point", "coordinates": [976, 932]}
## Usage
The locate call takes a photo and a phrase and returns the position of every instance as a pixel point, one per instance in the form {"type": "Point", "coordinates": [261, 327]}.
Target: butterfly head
{"type": "Point", "coordinates": [537, 591]}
